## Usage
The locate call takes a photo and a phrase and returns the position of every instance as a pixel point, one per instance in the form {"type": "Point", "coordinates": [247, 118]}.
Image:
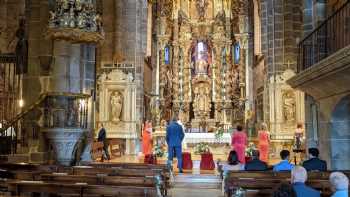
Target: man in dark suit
{"type": "Point", "coordinates": [314, 163]}
{"type": "Point", "coordinates": [255, 164]}
{"type": "Point", "coordinates": [174, 137]}
{"type": "Point", "coordinates": [102, 137]}
{"type": "Point", "coordinates": [298, 179]}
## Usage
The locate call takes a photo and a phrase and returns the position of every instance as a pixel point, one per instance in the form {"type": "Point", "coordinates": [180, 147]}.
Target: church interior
{"type": "Point", "coordinates": [95, 93]}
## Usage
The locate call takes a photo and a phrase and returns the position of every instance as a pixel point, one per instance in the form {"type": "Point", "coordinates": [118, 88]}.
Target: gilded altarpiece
{"type": "Point", "coordinates": [201, 71]}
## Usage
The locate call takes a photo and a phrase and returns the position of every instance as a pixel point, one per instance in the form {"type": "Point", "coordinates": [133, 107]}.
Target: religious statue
{"type": "Point", "coordinates": [71, 18]}
{"type": "Point", "coordinates": [201, 67]}
{"type": "Point", "coordinates": [288, 106]}
{"type": "Point", "coordinates": [201, 8]}
{"type": "Point", "coordinates": [21, 49]}
{"type": "Point", "coordinates": [299, 134]}
{"type": "Point", "coordinates": [116, 106]}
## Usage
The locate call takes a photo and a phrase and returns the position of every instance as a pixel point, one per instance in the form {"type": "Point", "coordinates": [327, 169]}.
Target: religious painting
{"type": "Point", "coordinates": [201, 59]}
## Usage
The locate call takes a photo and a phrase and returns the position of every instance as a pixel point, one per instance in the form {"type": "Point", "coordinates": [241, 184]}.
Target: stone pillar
{"type": "Point", "coordinates": [72, 73]}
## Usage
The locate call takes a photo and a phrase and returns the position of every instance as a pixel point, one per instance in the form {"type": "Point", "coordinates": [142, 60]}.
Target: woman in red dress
{"type": "Point", "coordinates": [264, 141]}
{"type": "Point", "coordinates": [239, 143]}
{"type": "Point", "coordinates": [147, 138]}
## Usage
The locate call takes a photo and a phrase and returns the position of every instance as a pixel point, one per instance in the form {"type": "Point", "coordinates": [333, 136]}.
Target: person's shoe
{"type": "Point", "coordinates": [181, 171]}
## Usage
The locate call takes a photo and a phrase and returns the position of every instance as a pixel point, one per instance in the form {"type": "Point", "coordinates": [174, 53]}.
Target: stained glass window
{"type": "Point", "coordinates": [236, 53]}
{"type": "Point", "coordinates": [167, 55]}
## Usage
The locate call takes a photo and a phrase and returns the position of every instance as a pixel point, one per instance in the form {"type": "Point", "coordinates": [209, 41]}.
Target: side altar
{"type": "Point", "coordinates": [117, 107]}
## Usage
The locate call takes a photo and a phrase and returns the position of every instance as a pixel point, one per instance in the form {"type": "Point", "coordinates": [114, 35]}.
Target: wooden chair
{"type": "Point", "coordinates": [97, 151]}
{"type": "Point", "coordinates": [117, 147]}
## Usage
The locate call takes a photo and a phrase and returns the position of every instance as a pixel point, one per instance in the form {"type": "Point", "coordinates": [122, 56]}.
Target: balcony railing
{"type": "Point", "coordinates": [330, 36]}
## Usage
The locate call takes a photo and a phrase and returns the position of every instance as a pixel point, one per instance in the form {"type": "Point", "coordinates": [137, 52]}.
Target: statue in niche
{"type": "Point", "coordinates": [21, 48]}
{"type": "Point", "coordinates": [116, 106]}
{"type": "Point", "coordinates": [288, 99]}
{"type": "Point", "coordinates": [201, 6]}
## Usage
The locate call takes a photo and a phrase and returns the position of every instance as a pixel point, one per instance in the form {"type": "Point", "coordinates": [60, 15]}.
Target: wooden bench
{"type": "Point", "coordinates": [264, 183]}
{"type": "Point", "coordinates": [101, 180]}
{"type": "Point", "coordinates": [125, 172]}
{"type": "Point", "coordinates": [79, 189]}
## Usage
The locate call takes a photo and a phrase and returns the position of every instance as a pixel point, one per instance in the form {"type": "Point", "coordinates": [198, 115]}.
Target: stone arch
{"type": "Point", "coordinates": [340, 135]}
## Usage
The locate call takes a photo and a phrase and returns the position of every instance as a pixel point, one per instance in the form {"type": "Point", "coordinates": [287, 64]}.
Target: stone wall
{"type": "Point", "coordinates": [125, 24]}
{"type": "Point", "coordinates": [10, 13]}
{"type": "Point", "coordinates": [281, 28]}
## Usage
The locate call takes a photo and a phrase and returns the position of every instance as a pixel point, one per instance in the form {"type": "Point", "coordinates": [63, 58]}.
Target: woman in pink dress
{"type": "Point", "coordinates": [239, 143]}
{"type": "Point", "coordinates": [264, 141]}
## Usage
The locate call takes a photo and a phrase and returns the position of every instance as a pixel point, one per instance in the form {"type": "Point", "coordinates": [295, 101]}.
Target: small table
{"type": "Point", "coordinates": [207, 162]}
{"type": "Point", "coordinates": [187, 163]}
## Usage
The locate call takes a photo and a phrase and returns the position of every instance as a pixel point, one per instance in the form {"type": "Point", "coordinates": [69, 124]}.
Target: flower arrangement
{"type": "Point", "coordinates": [219, 133]}
{"type": "Point", "coordinates": [201, 148]}
{"type": "Point", "coordinates": [159, 151]}
{"type": "Point", "coordinates": [249, 150]}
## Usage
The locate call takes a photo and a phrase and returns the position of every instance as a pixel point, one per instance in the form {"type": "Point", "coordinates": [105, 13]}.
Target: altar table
{"type": "Point", "coordinates": [194, 138]}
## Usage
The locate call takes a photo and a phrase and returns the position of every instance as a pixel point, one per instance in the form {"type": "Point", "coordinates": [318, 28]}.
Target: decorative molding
{"type": "Point", "coordinates": [74, 35]}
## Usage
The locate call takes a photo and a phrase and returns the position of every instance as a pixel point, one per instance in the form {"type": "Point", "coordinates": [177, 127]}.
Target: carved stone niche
{"type": "Point", "coordinates": [286, 106]}
{"type": "Point", "coordinates": [117, 107]}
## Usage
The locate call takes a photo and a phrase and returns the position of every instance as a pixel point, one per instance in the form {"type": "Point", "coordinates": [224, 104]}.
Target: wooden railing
{"type": "Point", "coordinates": [329, 37]}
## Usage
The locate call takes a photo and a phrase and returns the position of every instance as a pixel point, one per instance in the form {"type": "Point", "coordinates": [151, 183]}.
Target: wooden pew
{"type": "Point", "coordinates": [264, 183]}
{"type": "Point", "coordinates": [101, 180]}
{"type": "Point", "coordinates": [79, 189]}
{"type": "Point", "coordinates": [162, 178]}
{"type": "Point", "coordinates": [125, 170]}
{"type": "Point", "coordinates": [271, 174]}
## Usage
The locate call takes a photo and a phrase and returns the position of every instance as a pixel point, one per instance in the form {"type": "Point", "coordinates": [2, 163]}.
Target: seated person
{"type": "Point", "coordinates": [314, 163]}
{"type": "Point", "coordinates": [284, 165]}
{"type": "Point", "coordinates": [298, 179]}
{"type": "Point", "coordinates": [255, 164]}
{"type": "Point", "coordinates": [340, 184]}
{"type": "Point", "coordinates": [232, 163]}
{"type": "Point", "coordinates": [284, 190]}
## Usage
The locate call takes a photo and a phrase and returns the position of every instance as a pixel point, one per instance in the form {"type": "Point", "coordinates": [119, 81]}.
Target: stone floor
{"type": "Point", "coordinates": [200, 185]}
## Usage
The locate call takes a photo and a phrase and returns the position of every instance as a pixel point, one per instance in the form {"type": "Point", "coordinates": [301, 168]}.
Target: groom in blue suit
{"type": "Point", "coordinates": [174, 137]}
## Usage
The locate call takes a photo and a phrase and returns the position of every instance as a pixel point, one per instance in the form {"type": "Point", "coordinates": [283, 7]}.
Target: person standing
{"type": "Point", "coordinates": [299, 133]}
{"type": "Point", "coordinates": [102, 137]}
{"type": "Point", "coordinates": [147, 138]}
{"type": "Point", "coordinates": [174, 137]}
{"type": "Point", "coordinates": [239, 143]}
{"type": "Point", "coordinates": [264, 141]}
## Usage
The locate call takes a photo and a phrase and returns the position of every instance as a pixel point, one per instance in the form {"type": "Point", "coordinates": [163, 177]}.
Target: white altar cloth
{"type": "Point", "coordinates": [194, 138]}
